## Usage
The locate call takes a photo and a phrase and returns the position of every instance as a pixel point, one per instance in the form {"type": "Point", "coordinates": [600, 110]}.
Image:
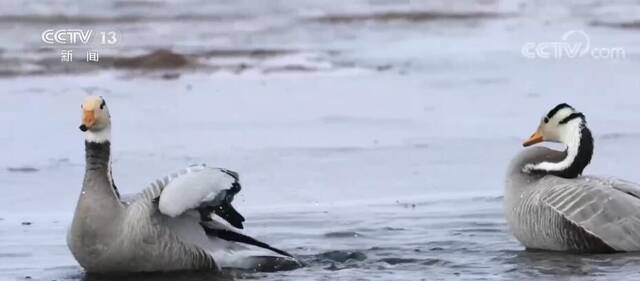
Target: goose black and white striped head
{"type": "Point", "coordinates": [563, 124]}
{"type": "Point", "coordinates": [96, 120]}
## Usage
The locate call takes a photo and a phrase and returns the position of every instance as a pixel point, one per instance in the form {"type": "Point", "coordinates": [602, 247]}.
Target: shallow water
{"type": "Point", "coordinates": [464, 239]}
{"type": "Point", "coordinates": [371, 138]}
{"type": "Point", "coordinates": [383, 193]}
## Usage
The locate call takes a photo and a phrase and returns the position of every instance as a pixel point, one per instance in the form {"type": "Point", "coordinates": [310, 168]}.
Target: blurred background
{"type": "Point", "coordinates": [371, 137]}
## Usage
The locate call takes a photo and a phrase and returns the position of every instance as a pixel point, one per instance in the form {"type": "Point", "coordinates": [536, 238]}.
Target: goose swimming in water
{"type": "Point", "coordinates": [184, 221]}
{"type": "Point", "coordinates": [550, 206]}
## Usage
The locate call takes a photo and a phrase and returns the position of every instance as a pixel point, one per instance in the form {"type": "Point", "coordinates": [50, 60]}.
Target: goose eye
{"type": "Point", "coordinates": [546, 120]}
{"type": "Point", "coordinates": [102, 105]}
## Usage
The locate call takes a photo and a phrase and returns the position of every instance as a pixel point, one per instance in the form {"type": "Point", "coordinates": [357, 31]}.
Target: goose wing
{"type": "Point", "coordinates": [627, 187]}
{"type": "Point", "coordinates": [208, 190]}
{"type": "Point", "coordinates": [195, 201]}
{"type": "Point", "coordinates": [606, 208]}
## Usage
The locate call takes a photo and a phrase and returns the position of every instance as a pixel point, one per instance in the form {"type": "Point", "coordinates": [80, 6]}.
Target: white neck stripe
{"type": "Point", "coordinates": [572, 140]}
{"type": "Point", "coordinates": [101, 136]}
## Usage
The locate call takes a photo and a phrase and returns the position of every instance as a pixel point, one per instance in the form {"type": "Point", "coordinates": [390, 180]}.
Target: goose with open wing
{"type": "Point", "coordinates": [184, 221]}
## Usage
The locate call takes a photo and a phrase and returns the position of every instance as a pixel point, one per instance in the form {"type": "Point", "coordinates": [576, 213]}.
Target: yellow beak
{"type": "Point", "coordinates": [88, 119]}
{"type": "Point", "coordinates": [533, 139]}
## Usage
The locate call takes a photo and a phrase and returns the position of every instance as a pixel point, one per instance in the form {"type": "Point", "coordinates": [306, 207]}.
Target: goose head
{"type": "Point", "coordinates": [563, 124]}
{"type": "Point", "coordinates": [96, 120]}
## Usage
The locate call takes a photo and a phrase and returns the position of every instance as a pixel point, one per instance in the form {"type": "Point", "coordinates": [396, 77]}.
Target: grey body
{"type": "Point", "coordinates": [108, 235]}
{"type": "Point", "coordinates": [583, 214]}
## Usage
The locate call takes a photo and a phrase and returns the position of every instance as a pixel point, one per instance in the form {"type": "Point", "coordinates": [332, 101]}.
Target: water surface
{"type": "Point", "coordinates": [371, 137]}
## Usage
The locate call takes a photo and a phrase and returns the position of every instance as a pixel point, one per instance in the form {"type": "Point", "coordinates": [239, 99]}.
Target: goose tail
{"type": "Point", "coordinates": [238, 256]}
{"type": "Point", "coordinates": [233, 236]}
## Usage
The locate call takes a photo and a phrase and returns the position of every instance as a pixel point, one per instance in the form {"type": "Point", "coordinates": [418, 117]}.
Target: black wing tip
{"type": "Point", "coordinates": [241, 238]}
{"type": "Point", "coordinates": [229, 214]}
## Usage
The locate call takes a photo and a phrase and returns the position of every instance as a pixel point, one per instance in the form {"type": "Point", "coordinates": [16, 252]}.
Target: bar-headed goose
{"type": "Point", "coordinates": [550, 206]}
{"type": "Point", "coordinates": [183, 221]}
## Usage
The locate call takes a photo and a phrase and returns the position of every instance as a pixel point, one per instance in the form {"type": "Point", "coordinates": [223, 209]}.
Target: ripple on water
{"type": "Point", "coordinates": [14, 255]}
{"type": "Point", "coordinates": [341, 256]}
{"type": "Point", "coordinates": [388, 228]}
{"type": "Point", "coordinates": [476, 230]}
{"type": "Point", "coordinates": [488, 198]}
{"type": "Point", "coordinates": [394, 261]}
{"type": "Point", "coordinates": [273, 264]}
{"type": "Point", "coordinates": [343, 234]}
{"type": "Point", "coordinates": [435, 261]}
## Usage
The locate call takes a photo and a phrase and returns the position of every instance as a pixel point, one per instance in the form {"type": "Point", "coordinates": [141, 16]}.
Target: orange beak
{"type": "Point", "coordinates": [533, 139]}
{"type": "Point", "coordinates": [88, 119]}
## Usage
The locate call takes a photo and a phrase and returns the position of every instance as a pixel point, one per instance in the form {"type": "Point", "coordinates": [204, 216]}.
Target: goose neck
{"type": "Point", "coordinates": [578, 155]}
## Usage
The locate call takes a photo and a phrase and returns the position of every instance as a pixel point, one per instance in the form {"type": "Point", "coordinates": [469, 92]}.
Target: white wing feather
{"type": "Point", "coordinates": [180, 194]}
{"type": "Point", "coordinates": [200, 184]}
